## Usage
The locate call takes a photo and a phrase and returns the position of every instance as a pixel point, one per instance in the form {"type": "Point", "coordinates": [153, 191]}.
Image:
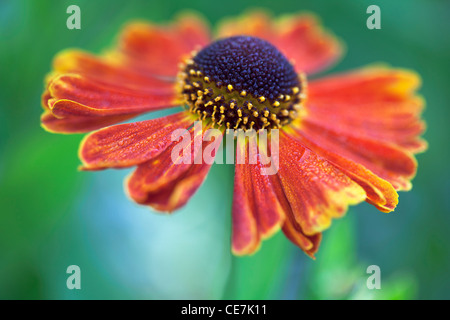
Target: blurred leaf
{"type": "Point", "coordinates": [397, 287]}
{"type": "Point", "coordinates": [260, 276]}
{"type": "Point", "coordinates": [333, 274]}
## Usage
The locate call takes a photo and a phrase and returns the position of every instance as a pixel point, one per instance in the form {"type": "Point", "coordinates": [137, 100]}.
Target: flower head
{"type": "Point", "coordinates": [343, 139]}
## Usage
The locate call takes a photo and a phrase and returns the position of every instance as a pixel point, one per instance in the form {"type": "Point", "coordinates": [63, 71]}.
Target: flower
{"type": "Point", "coordinates": [344, 138]}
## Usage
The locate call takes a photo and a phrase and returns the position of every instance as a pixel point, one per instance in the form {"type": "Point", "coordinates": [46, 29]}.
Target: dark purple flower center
{"type": "Point", "coordinates": [242, 82]}
{"type": "Point", "coordinates": [249, 64]}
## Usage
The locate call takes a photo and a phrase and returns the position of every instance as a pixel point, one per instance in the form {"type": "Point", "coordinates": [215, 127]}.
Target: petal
{"type": "Point", "coordinates": [299, 37]}
{"type": "Point", "coordinates": [193, 30]}
{"type": "Point", "coordinates": [379, 192]}
{"type": "Point", "coordinates": [85, 101]}
{"type": "Point", "coordinates": [107, 70]}
{"type": "Point", "coordinates": [79, 124]}
{"type": "Point", "coordinates": [375, 103]}
{"type": "Point", "coordinates": [159, 49]}
{"type": "Point", "coordinates": [293, 231]}
{"type": "Point", "coordinates": [45, 98]}
{"type": "Point", "coordinates": [302, 39]}
{"type": "Point", "coordinates": [257, 212]}
{"type": "Point", "coordinates": [129, 144]}
{"type": "Point", "coordinates": [316, 190]}
{"type": "Point", "coordinates": [77, 95]}
{"type": "Point", "coordinates": [257, 23]}
{"type": "Point", "coordinates": [390, 163]}
{"type": "Point", "coordinates": [166, 185]}
{"type": "Point", "coordinates": [245, 234]}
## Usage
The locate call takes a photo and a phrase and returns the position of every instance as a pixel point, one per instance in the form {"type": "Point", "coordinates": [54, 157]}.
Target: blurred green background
{"type": "Point", "coordinates": [53, 216]}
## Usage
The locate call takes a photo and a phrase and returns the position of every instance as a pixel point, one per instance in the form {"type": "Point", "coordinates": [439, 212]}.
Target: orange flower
{"type": "Point", "coordinates": [344, 138]}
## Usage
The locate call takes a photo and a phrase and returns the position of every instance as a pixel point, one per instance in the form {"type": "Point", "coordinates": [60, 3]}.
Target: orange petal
{"type": "Point", "coordinates": [45, 98]}
{"type": "Point", "coordinates": [302, 39]}
{"type": "Point", "coordinates": [374, 103]}
{"type": "Point", "coordinates": [107, 71]}
{"type": "Point", "coordinates": [257, 213]}
{"type": "Point", "coordinates": [245, 234]}
{"type": "Point", "coordinates": [76, 95]}
{"type": "Point", "coordinates": [159, 49]}
{"type": "Point", "coordinates": [379, 192]}
{"type": "Point", "coordinates": [192, 30]}
{"type": "Point", "coordinates": [299, 37]}
{"type": "Point", "coordinates": [293, 231]}
{"type": "Point", "coordinates": [165, 185]}
{"type": "Point", "coordinates": [315, 189]}
{"type": "Point", "coordinates": [99, 95]}
{"type": "Point", "coordinates": [79, 124]}
{"type": "Point", "coordinates": [390, 163]}
{"type": "Point", "coordinates": [257, 23]}
{"type": "Point", "coordinates": [131, 143]}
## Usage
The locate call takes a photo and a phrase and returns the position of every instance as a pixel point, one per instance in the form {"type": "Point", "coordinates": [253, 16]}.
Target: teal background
{"type": "Point", "coordinates": [53, 216]}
